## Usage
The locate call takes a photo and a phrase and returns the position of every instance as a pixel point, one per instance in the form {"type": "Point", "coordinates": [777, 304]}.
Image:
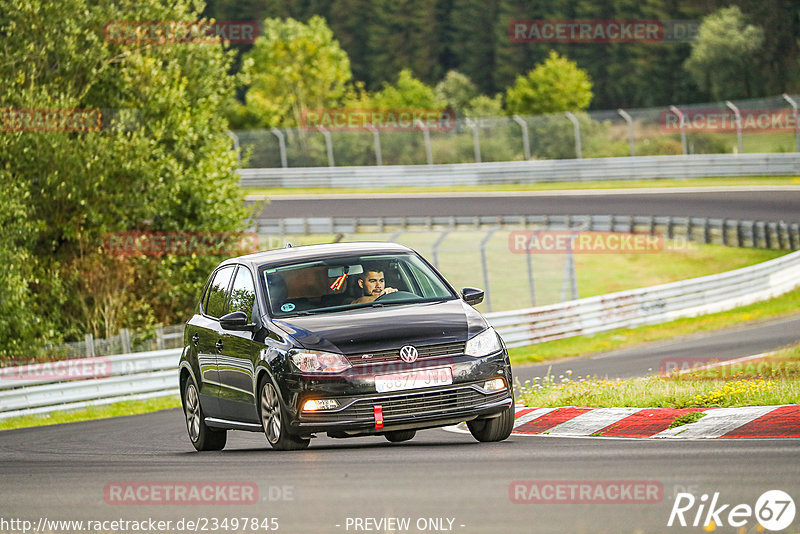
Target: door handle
{"type": "Point", "coordinates": [218, 344]}
{"type": "Point", "coordinates": [196, 338]}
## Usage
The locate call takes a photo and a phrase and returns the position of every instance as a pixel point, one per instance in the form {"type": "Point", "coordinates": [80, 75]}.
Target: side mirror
{"type": "Point", "coordinates": [472, 295]}
{"type": "Point", "coordinates": [235, 321]}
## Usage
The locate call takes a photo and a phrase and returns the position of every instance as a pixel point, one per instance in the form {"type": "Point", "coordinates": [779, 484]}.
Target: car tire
{"type": "Point", "coordinates": [495, 429]}
{"type": "Point", "coordinates": [271, 412]}
{"type": "Point", "coordinates": [203, 437]}
{"type": "Point", "coordinates": [397, 436]}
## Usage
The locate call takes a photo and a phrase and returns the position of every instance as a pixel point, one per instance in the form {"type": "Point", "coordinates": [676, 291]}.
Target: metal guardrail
{"type": "Point", "coordinates": [650, 305]}
{"type": "Point", "coordinates": [150, 374]}
{"type": "Point", "coordinates": [745, 234]}
{"type": "Point", "coordinates": [506, 172]}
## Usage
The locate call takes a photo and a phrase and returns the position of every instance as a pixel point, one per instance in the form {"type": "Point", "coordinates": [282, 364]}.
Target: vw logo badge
{"type": "Point", "coordinates": [409, 354]}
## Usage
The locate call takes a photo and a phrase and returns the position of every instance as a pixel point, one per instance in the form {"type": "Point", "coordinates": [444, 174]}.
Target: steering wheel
{"type": "Point", "coordinates": [396, 295]}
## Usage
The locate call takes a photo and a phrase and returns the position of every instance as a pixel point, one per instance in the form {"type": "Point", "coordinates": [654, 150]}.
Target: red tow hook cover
{"type": "Point", "coordinates": [378, 416]}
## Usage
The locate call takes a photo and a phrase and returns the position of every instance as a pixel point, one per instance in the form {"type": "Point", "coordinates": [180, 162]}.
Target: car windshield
{"type": "Point", "coordinates": [347, 283]}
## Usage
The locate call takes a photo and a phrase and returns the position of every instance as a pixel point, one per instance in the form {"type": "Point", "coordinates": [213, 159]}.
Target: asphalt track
{"type": "Point", "coordinates": [767, 204]}
{"type": "Point", "coordinates": [61, 472]}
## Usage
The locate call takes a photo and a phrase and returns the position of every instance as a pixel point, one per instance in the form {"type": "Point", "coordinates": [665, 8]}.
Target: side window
{"type": "Point", "coordinates": [243, 293]}
{"type": "Point", "coordinates": [215, 302]}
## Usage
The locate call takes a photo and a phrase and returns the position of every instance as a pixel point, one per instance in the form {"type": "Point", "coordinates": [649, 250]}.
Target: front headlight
{"type": "Point", "coordinates": [316, 361]}
{"type": "Point", "coordinates": [485, 343]}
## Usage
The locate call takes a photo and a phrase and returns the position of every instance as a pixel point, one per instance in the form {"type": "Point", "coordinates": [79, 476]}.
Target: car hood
{"type": "Point", "coordinates": [370, 329]}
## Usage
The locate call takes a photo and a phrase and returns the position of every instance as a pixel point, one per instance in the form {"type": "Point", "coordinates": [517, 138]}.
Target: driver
{"type": "Point", "coordinates": [372, 285]}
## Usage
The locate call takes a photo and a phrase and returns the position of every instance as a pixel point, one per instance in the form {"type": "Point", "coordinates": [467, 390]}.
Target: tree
{"type": "Point", "coordinates": [456, 90]}
{"type": "Point", "coordinates": [293, 67]}
{"type": "Point", "coordinates": [555, 85]}
{"type": "Point", "coordinates": [409, 92]}
{"type": "Point", "coordinates": [160, 160]}
{"type": "Point", "coordinates": [722, 58]}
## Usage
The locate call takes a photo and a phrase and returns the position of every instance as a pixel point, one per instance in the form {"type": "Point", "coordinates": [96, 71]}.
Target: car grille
{"type": "Point", "coordinates": [425, 351]}
{"type": "Point", "coordinates": [410, 405]}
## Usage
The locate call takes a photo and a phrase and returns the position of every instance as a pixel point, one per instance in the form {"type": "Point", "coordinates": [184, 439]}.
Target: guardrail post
{"type": "Point", "coordinates": [738, 115]}
{"type": "Point", "coordinates": [577, 129]}
{"type": "Point", "coordinates": [377, 141]}
{"type": "Point", "coordinates": [725, 232]}
{"type": "Point", "coordinates": [739, 234]}
{"type": "Point", "coordinates": [281, 146]}
{"type": "Point", "coordinates": [780, 227]}
{"type": "Point", "coordinates": [794, 236]}
{"type": "Point", "coordinates": [706, 231]}
{"type": "Point", "coordinates": [792, 103]}
{"type": "Point", "coordinates": [89, 338]}
{"type": "Point", "coordinates": [629, 120]}
{"type": "Point", "coordinates": [427, 136]}
{"type": "Point", "coordinates": [435, 248]}
{"type": "Point", "coordinates": [476, 142]}
{"type": "Point", "coordinates": [768, 234]}
{"type": "Point", "coordinates": [754, 235]}
{"type": "Point", "coordinates": [485, 266]}
{"type": "Point", "coordinates": [682, 126]}
{"type": "Point", "coordinates": [526, 145]}
{"type": "Point", "coordinates": [328, 144]}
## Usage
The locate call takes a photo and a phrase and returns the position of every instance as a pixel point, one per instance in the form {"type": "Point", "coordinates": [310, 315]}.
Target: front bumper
{"type": "Point", "coordinates": [463, 400]}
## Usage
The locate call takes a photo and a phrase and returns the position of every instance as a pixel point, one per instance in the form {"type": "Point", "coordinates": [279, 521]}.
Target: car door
{"type": "Point", "coordinates": [207, 337]}
{"type": "Point", "coordinates": [239, 353]}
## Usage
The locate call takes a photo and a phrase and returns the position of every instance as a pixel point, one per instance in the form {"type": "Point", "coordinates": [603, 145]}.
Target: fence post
{"type": "Point", "coordinates": [485, 265]}
{"type": "Point", "coordinates": [377, 140]}
{"type": "Point", "coordinates": [160, 337]}
{"type": "Point", "coordinates": [281, 145]}
{"type": "Point", "coordinates": [577, 129]}
{"type": "Point", "coordinates": [427, 136]}
{"type": "Point", "coordinates": [328, 144]}
{"type": "Point", "coordinates": [629, 120]}
{"type": "Point", "coordinates": [792, 103]}
{"type": "Point", "coordinates": [89, 338]}
{"type": "Point", "coordinates": [235, 146]}
{"type": "Point", "coordinates": [526, 145]}
{"type": "Point", "coordinates": [435, 248]}
{"type": "Point", "coordinates": [475, 140]}
{"type": "Point", "coordinates": [125, 337]}
{"type": "Point", "coordinates": [569, 277]}
{"type": "Point", "coordinates": [531, 279]}
{"type": "Point", "coordinates": [738, 115]}
{"type": "Point", "coordinates": [682, 126]}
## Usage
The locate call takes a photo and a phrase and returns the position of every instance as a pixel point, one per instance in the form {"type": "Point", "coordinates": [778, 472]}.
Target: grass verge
{"type": "Point", "coordinates": [92, 412]}
{"type": "Point", "coordinates": [616, 339]}
{"type": "Point", "coordinates": [546, 186]}
{"type": "Point", "coordinates": [773, 380]}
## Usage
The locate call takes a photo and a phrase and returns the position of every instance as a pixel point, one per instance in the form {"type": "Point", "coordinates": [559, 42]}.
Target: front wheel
{"type": "Point", "coordinates": [273, 421]}
{"type": "Point", "coordinates": [495, 429]}
{"type": "Point", "coordinates": [397, 436]}
{"type": "Point", "coordinates": [202, 437]}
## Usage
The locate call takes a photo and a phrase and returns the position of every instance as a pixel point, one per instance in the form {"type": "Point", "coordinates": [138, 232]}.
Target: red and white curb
{"type": "Point", "coordinates": [745, 422]}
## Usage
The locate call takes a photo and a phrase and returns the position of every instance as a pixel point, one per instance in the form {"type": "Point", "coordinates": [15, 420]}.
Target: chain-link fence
{"type": "Point", "coordinates": [765, 125]}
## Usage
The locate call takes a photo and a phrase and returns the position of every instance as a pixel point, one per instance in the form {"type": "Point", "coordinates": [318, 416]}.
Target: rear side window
{"type": "Point", "coordinates": [215, 298]}
{"type": "Point", "coordinates": [243, 293]}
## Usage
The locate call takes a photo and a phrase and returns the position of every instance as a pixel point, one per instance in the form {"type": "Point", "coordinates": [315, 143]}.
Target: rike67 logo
{"type": "Point", "coordinates": [774, 510]}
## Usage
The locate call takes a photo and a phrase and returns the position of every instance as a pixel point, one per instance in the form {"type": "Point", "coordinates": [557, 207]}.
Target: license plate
{"type": "Point", "coordinates": [423, 378]}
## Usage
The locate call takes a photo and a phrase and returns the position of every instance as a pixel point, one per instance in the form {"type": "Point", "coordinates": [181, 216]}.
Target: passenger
{"type": "Point", "coordinates": [372, 285]}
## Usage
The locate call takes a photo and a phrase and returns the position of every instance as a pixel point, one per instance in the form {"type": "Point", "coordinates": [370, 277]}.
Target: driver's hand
{"type": "Point", "coordinates": [388, 290]}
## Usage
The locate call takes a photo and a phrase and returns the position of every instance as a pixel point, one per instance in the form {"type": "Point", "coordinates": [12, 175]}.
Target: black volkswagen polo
{"type": "Point", "coordinates": [348, 339]}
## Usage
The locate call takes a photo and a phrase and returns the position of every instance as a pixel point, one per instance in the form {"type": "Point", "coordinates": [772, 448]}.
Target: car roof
{"type": "Point", "coordinates": [312, 252]}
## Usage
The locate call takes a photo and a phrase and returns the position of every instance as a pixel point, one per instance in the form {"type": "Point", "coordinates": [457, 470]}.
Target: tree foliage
{"type": "Point", "coordinates": [161, 162]}
{"type": "Point", "coordinates": [292, 67]}
{"type": "Point", "coordinates": [722, 58]}
{"type": "Point", "coordinates": [555, 85]}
